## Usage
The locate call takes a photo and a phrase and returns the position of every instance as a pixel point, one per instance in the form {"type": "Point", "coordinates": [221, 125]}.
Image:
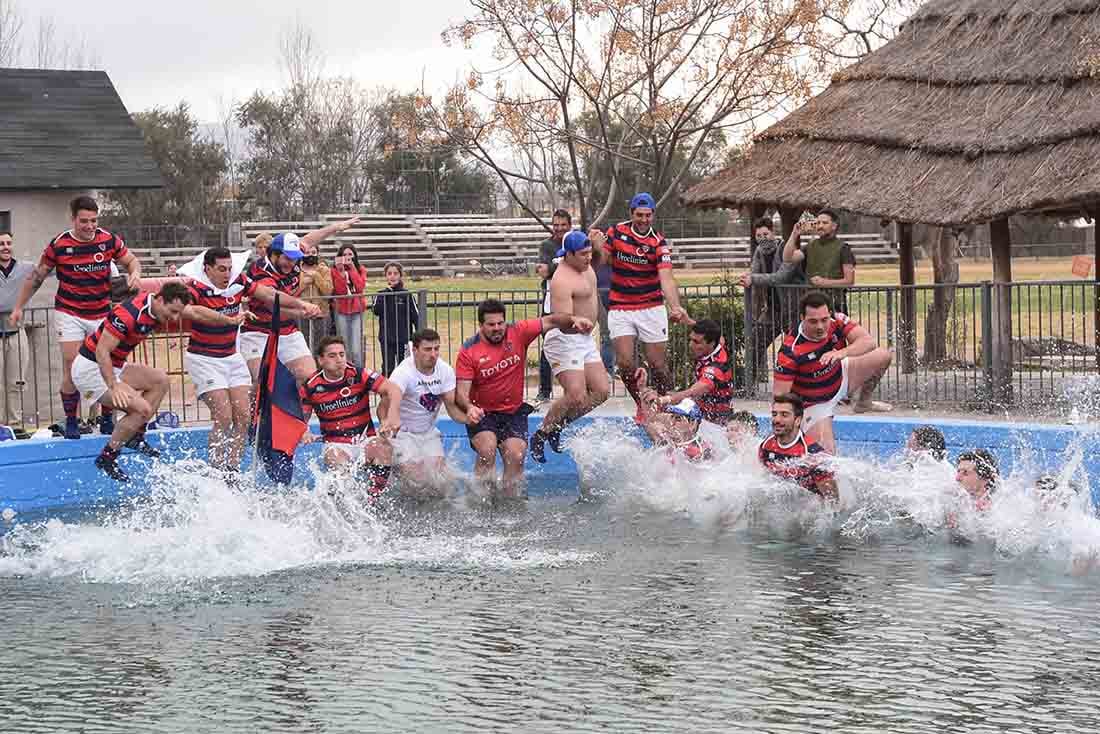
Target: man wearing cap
{"type": "Point", "coordinates": [676, 427]}
{"type": "Point", "coordinates": [643, 295]}
{"type": "Point", "coordinates": [573, 356]}
{"type": "Point", "coordinates": [281, 270]}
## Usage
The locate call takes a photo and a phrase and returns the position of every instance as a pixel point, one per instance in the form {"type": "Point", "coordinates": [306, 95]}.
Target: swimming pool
{"type": "Point", "coordinates": [40, 475]}
{"type": "Point", "coordinates": [200, 608]}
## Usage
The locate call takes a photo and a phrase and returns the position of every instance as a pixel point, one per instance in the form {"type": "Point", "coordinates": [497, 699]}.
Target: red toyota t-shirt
{"type": "Point", "coordinates": [497, 370]}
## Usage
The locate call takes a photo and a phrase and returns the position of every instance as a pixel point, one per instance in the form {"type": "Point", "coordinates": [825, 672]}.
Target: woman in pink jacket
{"type": "Point", "coordinates": [349, 280]}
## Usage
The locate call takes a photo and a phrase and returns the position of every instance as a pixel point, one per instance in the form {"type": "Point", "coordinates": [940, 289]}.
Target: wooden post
{"type": "Point", "coordinates": [1001, 246]}
{"type": "Point", "coordinates": [907, 324]}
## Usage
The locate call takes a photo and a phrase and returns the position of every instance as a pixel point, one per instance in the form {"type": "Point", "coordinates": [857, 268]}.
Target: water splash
{"type": "Point", "coordinates": [192, 525]}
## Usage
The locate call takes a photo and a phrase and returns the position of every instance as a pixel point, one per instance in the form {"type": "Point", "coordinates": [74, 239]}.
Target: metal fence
{"type": "Point", "coordinates": [971, 347]}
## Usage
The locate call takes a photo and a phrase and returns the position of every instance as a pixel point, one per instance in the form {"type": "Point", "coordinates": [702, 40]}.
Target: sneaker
{"type": "Point", "coordinates": [72, 428]}
{"type": "Point", "coordinates": [554, 439]}
{"type": "Point", "coordinates": [107, 424]}
{"type": "Point", "coordinates": [111, 468]}
{"type": "Point", "coordinates": [87, 426]}
{"type": "Point", "coordinates": [139, 444]}
{"type": "Point", "coordinates": [872, 406]}
{"type": "Point", "coordinates": [540, 399]}
{"type": "Point", "coordinates": [538, 446]}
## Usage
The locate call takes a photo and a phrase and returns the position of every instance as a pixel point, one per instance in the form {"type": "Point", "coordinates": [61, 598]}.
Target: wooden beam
{"type": "Point", "coordinates": [1001, 245]}
{"type": "Point", "coordinates": [907, 324]}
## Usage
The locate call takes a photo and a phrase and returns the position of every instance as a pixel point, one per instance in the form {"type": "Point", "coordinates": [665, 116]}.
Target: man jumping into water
{"type": "Point", "coordinates": [641, 284]}
{"type": "Point", "coordinates": [102, 374]}
{"type": "Point", "coordinates": [490, 371]}
{"type": "Point", "coordinates": [830, 358]}
{"type": "Point", "coordinates": [789, 455]}
{"type": "Point", "coordinates": [574, 358]}
{"type": "Point", "coordinates": [339, 393]}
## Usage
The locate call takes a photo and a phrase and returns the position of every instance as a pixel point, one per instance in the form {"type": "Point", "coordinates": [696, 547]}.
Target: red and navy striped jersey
{"type": "Point", "coordinates": [83, 272]}
{"type": "Point", "coordinates": [208, 339]}
{"type": "Point", "coordinates": [635, 262]}
{"type": "Point", "coordinates": [799, 361]}
{"type": "Point", "coordinates": [343, 406]}
{"type": "Point", "coordinates": [131, 321]}
{"type": "Point", "coordinates": [262, 272]}
{"type": "Point", "coordinates": [716, 369]}
{"type": "Point", "coordinates": [799, 461]}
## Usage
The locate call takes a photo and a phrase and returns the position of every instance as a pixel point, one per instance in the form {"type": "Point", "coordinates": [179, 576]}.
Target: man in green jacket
{"type": "Point", "coordinates": [827, 261]}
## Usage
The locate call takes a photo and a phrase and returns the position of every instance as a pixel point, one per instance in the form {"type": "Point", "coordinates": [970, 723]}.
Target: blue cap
{"type": "Point", "coordinates": [288, 244]}
{"type": "Point", "coordinates": [574, 241]}
{"type": "Point", "coordinates": [687, 408]}
{"type": "Point", "coordinates": [644, 200]}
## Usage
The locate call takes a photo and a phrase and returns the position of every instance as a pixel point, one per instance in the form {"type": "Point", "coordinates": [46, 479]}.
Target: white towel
{"type": "Point", "coordinates": [195, 270]}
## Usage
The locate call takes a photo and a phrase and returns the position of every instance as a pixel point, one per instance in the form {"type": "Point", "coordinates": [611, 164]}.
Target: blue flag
{"type": "Point", "coordinates": [278, 417]}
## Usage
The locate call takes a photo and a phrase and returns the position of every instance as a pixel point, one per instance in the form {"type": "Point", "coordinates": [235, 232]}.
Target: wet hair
{"type": "Point", "coordinates": [83, 204]}
{"type": "Point", "coordinates": [175, 292]}
{"type": "Point", "coordinates": [327, 342]}
{"type": "Point", "coordinates": [931, 439]}
{"type": "Point", "coordinates": [762, 222]}
{"type": "Point", "coordinates": [394, 264]}
{"type": "Point", "coordinates": [708, 329]}
{"type": "Point", "coordinates": [746, 419]}
{"type": "Point", "coordinates": [425, 335]}
{"type": "Point", "coordinates": [488, 306]}
{"type": "Point", "coordinates": [985, 463]}
{"type": "Point", "coordinates": [813, 299]}
{"type": "Point", "coordinates": [214, 254]}
{"type": "Point", "coordinates": [792, 400]}
{"type": "Point", "coordinates": [830, 214]}
{"type": "Point", "coordinates": [562, 214]}
{"type": "Point", "coordinates": [1049, 483]}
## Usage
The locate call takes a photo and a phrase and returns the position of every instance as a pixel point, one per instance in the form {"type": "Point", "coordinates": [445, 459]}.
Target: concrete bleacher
{"type": "Point", "coordinates": [444, 245]}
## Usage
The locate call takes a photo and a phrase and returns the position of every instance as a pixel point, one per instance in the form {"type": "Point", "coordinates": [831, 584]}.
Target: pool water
{"type": "Point", "coordinates": [679, 598]}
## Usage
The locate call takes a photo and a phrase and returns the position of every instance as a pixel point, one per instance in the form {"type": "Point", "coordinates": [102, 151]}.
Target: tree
{"type": "Point", "coordinates": [193, 169]}
{"type": "Point", "coordinates": [661, 80]}
{"type": "Point", "coordinates": [11, 26]}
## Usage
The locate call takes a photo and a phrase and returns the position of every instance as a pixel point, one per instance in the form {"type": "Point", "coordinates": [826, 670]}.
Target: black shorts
{"type": "Point", "coordinates": [503, 425]}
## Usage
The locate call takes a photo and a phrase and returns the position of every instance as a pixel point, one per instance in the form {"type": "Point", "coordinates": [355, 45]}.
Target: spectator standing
{"type": "Point", "coordinates": [14, 350]}
{"type": "Point", "coordinates": [560, 224]}
{"type": "Point", "coordinates": [828, 262]}
{"type": "Point", "coordinates": [349, 279]}
{"type": "Point", "coordinates": [259, 248]}
{"type": "Point", "coordinates": [316, 284]}
{"type": "Point", "coordinates": [774, 309]}
{"type": "Point", "coordinates": [397, 315]}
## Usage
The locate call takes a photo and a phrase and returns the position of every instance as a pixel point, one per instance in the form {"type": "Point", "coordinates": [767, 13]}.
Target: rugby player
{"type": "Point", "coordinates": [218, 371]}
{"type": "Point", "coordinates": [713, 386]}
{"type": "Point", "coordinates": [425, 382]}
{"type": "Point", "coordinates": [340, 395]}
{"type": "Point", "coordinates": [788, 454]}
{"type": "Point", "coordinates": [977, 472]}
{"type": "Point", "coordinates": [102, 374]}
{"type": "Point", "coordinates": [830, 358]}
{"type": "Point", "coordinates": [82, 257]}
{"type": "Point", "coordinates": [574, 358]}
{"type": "Point", "coordinates": [641, 285]}
{"type": "Point", "coordinates": [490, 371]}
{"type": "Point", "coordinates": [280, 269]}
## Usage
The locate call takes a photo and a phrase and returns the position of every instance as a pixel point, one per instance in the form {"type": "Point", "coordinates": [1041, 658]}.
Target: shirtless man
{"type": "Point", "coordinates": [574, 358]}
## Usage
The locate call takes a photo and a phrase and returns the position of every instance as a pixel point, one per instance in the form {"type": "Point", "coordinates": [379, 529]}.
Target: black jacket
{"type": "Point", "coordinates": [397, 314]}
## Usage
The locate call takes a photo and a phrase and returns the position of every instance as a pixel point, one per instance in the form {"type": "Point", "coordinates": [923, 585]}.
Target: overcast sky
{"type": "Point", "coordinates": [158, 52]}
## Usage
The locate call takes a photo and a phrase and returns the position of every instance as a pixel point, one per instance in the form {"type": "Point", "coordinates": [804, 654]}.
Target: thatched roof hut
{"type": "Point", "coordinates": [977, 110]}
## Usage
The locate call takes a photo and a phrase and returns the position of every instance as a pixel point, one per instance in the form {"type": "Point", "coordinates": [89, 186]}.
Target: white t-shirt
{"type": "Point", "coordinates": [421, 395]}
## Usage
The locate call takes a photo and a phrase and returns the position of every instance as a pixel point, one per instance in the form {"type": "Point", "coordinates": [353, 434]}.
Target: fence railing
{"type": "Point", "coordinates": [971, 347]}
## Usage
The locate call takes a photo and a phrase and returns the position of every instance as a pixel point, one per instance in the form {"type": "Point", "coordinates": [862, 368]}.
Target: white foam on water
{"type": "Point", "coordinates": [907, 497]}
{"type": "Point", "coordinates": [192, 525]}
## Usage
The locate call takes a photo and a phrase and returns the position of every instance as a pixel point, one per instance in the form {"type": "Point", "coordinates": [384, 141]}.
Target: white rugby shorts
{"type": "Point", "coordinates": [821, 411]}
{"type": "Point", "coordinates": [291, 346]}
{"type": "Point", "coordinates": [73, 328]}
{"type": "Point", "coordinates": [566, 352]}
{"type": "Point", "coordinates": [648, 325]}
{"type": "Point", "coordinates": [216, 373]}
{"type": "Point", "coordinates": [89, 380]}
